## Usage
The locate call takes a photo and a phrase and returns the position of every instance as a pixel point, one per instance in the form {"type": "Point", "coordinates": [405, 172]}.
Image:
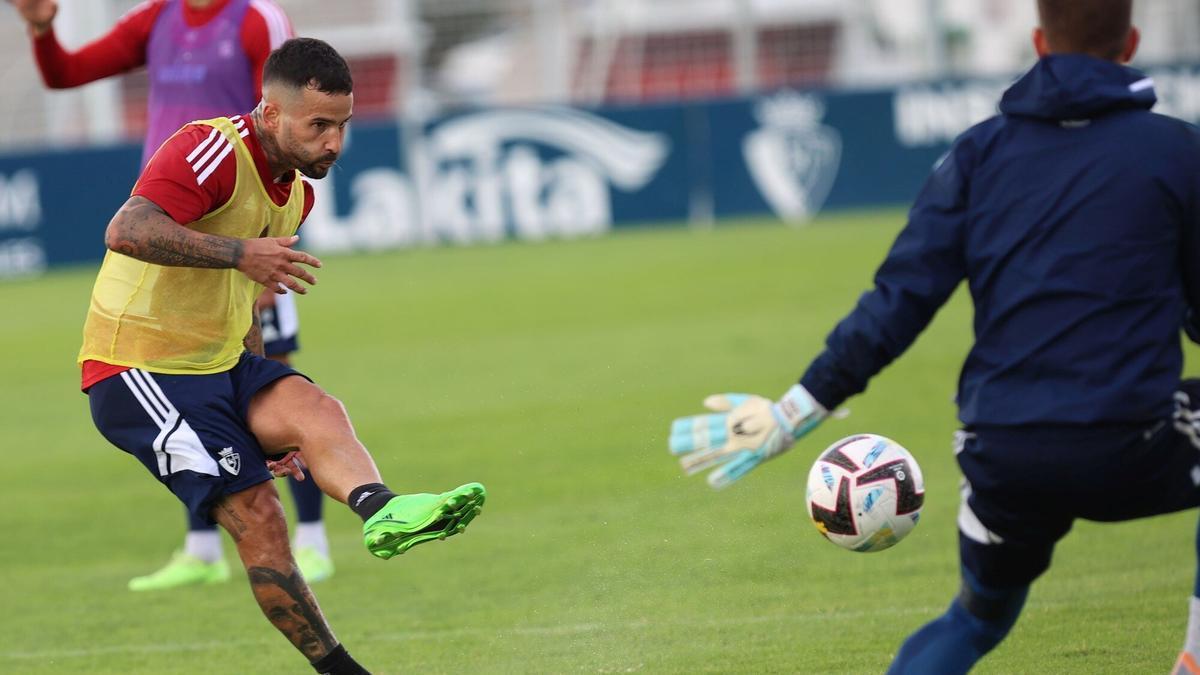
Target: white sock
{"type": "Point", "coordinates": [311, 535]}
{"type": "Point", "coordinates": [1192, 644]}
{"type": "Point", "coordinates": [203, 544]}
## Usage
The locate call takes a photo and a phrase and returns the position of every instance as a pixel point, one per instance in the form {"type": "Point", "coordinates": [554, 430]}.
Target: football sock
{"type": "Point", "coordinates": [1192, 644]}
{"type": "Point", "coordinates": [1196, 587]}
{"type": "Point", "coordinates": [309, 499]}
{"type": "Point", "coordinates": [338, 662]}
{"type": "Point", "coordinates": [956, 640]}
{"type": "Point", "coordinates": [195, 522]}
{"type": "Point", "coordinates": [203, 544]}
{"type": "Point", "coordinates": [366, 500]}
{"type": "Point", "coordinates": [311, 535]}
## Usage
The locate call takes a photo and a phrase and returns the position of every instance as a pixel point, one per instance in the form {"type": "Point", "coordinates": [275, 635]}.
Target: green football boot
{"type": "Point", "coordinates": [313, 564]}
{"type": "Point", "coordinates": [182, 570]}
{"type": "Point", "coordinates": [408, 520]}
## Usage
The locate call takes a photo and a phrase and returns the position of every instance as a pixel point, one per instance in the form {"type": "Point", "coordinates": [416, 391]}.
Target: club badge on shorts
{"type": "Point", "coordinates": [230, 460]}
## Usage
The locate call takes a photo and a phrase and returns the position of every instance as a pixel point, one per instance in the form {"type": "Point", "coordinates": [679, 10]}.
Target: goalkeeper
{"type": "Point", "coordinates": [1073, 216]}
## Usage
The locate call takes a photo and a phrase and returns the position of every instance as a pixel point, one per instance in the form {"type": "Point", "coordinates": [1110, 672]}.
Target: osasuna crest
{"type": "Point", "coordinates": [792, 157]}
{"type": "Point", "coordinates": [230, 460]}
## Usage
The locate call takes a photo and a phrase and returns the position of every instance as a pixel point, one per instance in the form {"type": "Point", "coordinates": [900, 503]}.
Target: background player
{"type": "Point", "coordinates": [171, 357]}
{"type": "Point", "coordinates": [231, 39]}
{"type": "Point", "coordinates": [1073, 217]}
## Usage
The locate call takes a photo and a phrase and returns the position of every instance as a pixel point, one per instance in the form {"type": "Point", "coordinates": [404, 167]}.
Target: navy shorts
{"type": "Point", "coordinates": [1024, 487]}
{"type": "Point", "coordinates": [190, 431]}
{"type": "Point", "coordinates": [281, 326]}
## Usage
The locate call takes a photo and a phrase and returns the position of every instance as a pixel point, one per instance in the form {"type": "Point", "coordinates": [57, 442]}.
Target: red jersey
{"type": "Point", "coordinates": [123, 48]}
{"type": "Point", "coordinates": [194, 173]}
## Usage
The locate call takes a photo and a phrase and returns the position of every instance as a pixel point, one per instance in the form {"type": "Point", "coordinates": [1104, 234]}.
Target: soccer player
{"type": "Point", "coordinates": [171, 357]}
{"type": "Point", "coordinates": [204, 58]}
{"type": "Point", "coordinates": [1073, 216]}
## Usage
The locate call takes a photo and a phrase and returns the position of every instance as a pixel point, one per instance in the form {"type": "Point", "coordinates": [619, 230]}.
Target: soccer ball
{"type": "Point", "coordinates": [865, 493]}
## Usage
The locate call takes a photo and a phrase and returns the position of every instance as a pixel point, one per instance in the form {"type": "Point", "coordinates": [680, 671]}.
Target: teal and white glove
{"type": "Point", "coordinates": [743, 432]}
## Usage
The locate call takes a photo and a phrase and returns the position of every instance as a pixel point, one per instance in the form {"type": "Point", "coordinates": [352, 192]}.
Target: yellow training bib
{"type": "Point", "coordinates": [186, 320]}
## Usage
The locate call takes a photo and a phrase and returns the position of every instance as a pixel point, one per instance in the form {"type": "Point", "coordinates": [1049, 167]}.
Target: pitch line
{"type": "Point", "coordinates": [454, 633]}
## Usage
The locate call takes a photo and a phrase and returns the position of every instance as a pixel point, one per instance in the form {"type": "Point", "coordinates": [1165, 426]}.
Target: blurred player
{"type": "Point", "coordinates": [1073, 216]}
{"type": "Point", "coordinates": [171, 357]}
{"type": "Point", "coordinates": [204, 58]}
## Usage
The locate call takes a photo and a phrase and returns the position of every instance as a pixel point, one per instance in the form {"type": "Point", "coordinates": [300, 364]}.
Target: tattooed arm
{"type": "Point", "coordinates": [143, 230]}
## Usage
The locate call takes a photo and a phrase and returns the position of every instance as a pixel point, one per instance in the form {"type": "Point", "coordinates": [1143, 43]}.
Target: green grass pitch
{"type": "Point", "coordinates": [551, 372]}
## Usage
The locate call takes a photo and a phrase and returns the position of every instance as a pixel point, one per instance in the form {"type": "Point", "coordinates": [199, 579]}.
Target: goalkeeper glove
{"type": "Point", "coordinates": [743, 432]}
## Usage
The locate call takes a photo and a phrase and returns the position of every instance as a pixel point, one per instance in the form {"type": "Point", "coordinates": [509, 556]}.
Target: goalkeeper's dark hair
{"type": "Point", "coordinates": [308, 62]}
{"type": "Point", "coordinates": [1094, 27]}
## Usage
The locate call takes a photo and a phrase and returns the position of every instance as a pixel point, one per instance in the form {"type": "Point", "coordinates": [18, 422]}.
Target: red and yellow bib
{"type": "Point", "coordinates": [187, 320]}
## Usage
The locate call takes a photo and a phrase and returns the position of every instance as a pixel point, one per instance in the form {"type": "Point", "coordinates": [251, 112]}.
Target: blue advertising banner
{"type": "Point", "coordinates": [560, 172]}
{"type": "Point", "coordinates": [533, 173]}
{"type": "Point", "coordinates": [54, 206]}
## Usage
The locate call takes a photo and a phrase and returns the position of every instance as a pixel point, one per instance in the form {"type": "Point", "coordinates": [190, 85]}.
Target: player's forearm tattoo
{"type": "Point", "coordinates": [291, 608]}
{"type": "Point", "coordinates": [254, 339]}
{"type": "Point", "coordinates": [144, 231]}
{"type": "Point", "coordinates": [201, 250]}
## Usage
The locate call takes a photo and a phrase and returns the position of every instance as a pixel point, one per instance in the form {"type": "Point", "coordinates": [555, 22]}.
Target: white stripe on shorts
{"type": "Point", "coordinates": [1186, 420]}
{"type": "Point", "coordinates": [154, 396]}
{"type": "Point", "coordinates": [969, 523]}
{"type": "Point", "coordinates": [177, 447]}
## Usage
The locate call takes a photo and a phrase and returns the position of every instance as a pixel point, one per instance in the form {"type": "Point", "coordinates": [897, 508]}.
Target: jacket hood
{"type": "Point", "coordinates": [1075, 86]}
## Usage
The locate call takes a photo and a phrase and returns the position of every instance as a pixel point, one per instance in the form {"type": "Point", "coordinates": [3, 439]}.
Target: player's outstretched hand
{"type": "Point", "coordinates": [37, 13]}
{"type": "Point", "coordinates": [743, 431]}
{"type": "Point", "coordinates": [290, 464]}
{"type": "Point", "coordinates": [272, 262]}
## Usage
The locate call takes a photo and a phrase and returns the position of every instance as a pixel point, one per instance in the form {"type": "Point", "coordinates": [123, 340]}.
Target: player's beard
{"type": "Point", "coordinates": [306, 163]}
{"type": "Point", "coordinates": [317, 168]}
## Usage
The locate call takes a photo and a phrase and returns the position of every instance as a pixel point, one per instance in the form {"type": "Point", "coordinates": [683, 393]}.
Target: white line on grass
{"type": "Point", "coordinates": [455, 633]}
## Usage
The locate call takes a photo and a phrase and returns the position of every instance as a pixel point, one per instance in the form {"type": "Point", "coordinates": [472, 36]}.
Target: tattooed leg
{"type": "Point", "coordinates": [255, 520]}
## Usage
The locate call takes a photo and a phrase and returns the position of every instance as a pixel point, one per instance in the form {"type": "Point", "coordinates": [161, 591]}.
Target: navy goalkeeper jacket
{"type": "Point", "coordinates": [1073, 217]}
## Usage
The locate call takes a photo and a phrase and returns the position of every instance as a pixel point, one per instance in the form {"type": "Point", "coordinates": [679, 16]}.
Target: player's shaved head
{"type": "Point", "coordinates": [307, 63]}
{"type": "Point", "coordinates": [1097, 28]}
